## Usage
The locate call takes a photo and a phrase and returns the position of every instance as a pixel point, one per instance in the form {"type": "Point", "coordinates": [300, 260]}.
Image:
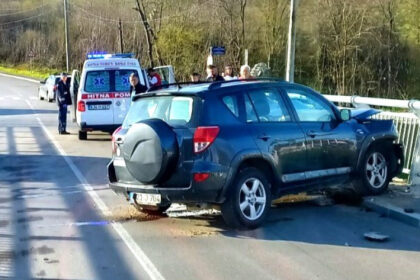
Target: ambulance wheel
{"type": "Point", "coordinates": [82, 135]}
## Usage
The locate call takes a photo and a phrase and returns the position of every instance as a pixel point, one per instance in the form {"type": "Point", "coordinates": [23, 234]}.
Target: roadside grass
{"type": "Point", "coordinates": [26, 70]}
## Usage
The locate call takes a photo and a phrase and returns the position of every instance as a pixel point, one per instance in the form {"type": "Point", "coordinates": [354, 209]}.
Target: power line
{"type": "Point", "coordinates": [22, 12]}
{"type": "Point", "coordinates": [116, 20]}
{"type": "Point", "coordinates": [22, 20]}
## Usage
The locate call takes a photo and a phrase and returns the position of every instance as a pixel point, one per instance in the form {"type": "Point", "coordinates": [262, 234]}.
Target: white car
{"type": "Point", "coordinates": [47, 88]}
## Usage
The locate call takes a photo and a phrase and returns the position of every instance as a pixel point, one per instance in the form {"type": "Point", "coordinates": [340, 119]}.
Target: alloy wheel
{"type": "Point", "coordinates": [252, 199]}
{"type": "Point", "coordinates": [376, 170]}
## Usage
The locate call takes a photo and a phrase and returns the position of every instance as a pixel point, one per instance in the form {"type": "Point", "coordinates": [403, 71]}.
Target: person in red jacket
{"type": "Point", "coordinates": [154, 78]}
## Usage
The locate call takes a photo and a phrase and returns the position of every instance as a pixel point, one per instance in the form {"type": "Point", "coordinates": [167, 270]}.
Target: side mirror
{"type": "Point", "coordinates": [345, 114]}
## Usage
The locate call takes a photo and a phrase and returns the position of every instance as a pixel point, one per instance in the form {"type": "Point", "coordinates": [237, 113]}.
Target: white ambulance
{"type": "Point", "coordinates": [101, 94]}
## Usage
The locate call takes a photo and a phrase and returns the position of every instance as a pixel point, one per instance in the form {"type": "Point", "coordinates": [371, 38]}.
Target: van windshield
{"type": "Point", "coordinates": [174, 110]}
{"type": "Point", "coordinates": [108, 80]}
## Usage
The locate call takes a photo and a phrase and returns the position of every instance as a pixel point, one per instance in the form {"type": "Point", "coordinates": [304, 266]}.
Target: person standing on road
{"type": "Point", "coordinates": [135, 86]}
{"type": "Point", "coordinates": [63, 100]}
{"type": "Point", "coordinates": [154, 78]}
{"type": "Point", "coordinates": [213, 74]}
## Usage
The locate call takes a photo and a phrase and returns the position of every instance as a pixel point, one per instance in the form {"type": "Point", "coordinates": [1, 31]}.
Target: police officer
{"type": "Point", "coordinates": [135, 86]}
{"type": "Point", "coordinates": [63, 100]}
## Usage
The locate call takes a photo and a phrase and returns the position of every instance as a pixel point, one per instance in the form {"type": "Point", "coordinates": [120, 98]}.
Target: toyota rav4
{"type": "Point", "coordinates": [242, 144]}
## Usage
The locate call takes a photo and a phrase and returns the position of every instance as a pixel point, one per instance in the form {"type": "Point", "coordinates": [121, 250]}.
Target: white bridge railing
{"type": "Point", "coordinates": [407, 124]}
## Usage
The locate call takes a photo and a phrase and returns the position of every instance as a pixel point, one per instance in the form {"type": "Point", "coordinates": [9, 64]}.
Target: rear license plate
{"type": "Point", "coordinates": [99, 107]}
{"type": "Point", "coordinates": [148, 199]}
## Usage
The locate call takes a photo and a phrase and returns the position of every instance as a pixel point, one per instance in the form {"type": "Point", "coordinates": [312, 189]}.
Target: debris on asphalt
{"type": "Point", "coordinates": [294, 198]}
{"type": "Point", "coordinates": [323, 201]}
{"type": "Point", "coordinates": [127, 213]}
{"type": "Point", "coordinates": [375, 236]}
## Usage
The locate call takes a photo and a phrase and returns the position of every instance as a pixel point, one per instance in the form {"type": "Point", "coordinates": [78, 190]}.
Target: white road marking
{"type": "Point", "coordinates": [33, 97]}
{"type": "Point", "coordinates": [20, 78]}
{"type": "Point", "coordinates": [16, 98]}
{"type": "Point", "coordinates": [135, 249]}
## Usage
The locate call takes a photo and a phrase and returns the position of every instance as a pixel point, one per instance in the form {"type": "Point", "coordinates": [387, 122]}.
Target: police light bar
{"type": "Point", "coordinates": [123, 55]}
{"type": "Point", "coordinates": [102, 55]}
{"type": "Point", "coordinates": [96, 55]}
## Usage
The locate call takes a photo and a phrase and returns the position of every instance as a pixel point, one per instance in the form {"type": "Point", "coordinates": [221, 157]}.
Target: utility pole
{"type": "Point", "coordinates": [291, 43]}
{"type": "Point", "coordinates": [66, 30]}
{"type": "Point", "coordinates": [121, 36]}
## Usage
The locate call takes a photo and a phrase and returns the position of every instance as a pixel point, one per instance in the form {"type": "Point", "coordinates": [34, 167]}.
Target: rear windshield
{"type": "Point", "coordinates": [108, 80]}
{"type": "Point", "coordinates": [174, 110]}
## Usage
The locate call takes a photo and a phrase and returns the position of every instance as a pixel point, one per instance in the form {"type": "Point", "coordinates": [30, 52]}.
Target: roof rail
{"type": "Point", "coordinates": [154, 88]}
{"type": "Point", "coordinates": [213, 85]}
{"type": "Point", "coordinates": [217, 84]}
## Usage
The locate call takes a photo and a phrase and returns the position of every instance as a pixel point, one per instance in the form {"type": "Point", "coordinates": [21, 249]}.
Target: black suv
{"type": "Point", "coordinates": [241, 144]}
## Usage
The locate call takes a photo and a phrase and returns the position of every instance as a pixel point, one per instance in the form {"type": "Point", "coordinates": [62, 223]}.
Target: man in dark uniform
{"type": "Point", "coordinates": [135, 86]}
{"type": "Point", "coordinates": [63, 100]}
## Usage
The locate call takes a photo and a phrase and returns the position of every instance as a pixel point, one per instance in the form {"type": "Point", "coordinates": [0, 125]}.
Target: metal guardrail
{"type": "Point", "coordinates": [407, 124]}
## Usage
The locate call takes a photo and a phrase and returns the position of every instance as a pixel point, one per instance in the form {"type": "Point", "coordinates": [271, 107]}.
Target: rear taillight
{"type": "Point", "coordinates": [201, 177]}
{"type": "Point", "coordinates": [204, 136]}
{"type": "Point", "coordinates": [81, 107]}
{"type": "Point", "coordinates": [114, 139]}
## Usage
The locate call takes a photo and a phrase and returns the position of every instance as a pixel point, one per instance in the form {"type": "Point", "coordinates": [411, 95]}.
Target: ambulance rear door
{"type": "Point", "coordinates": [166, 73]}
{"type": "Point", "coordinates": [98, 96]}
{"type": "Point", "coordinates": [122, 94]}
{"type": "Point", "coordinates": [74, 89]}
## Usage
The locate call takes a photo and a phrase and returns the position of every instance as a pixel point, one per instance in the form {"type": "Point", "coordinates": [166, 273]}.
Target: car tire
{"type": "Point", "coordinates": [82, 135]}
{"type": "Point", "coordinates": [49, 99]}
{"type": "Point", "coordinates": [374, 173]}
{"type": "Point", "coordinates": [248, 200]}
{"type": "Point", "coordinates": [152, 210]}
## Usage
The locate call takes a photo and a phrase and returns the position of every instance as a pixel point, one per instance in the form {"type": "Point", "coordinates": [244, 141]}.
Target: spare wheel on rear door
{"type": "Point", "coordinates": [150, 151]}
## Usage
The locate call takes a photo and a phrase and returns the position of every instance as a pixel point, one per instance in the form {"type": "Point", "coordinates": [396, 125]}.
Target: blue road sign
{"type": "Point", "coordinates": [219, 50]}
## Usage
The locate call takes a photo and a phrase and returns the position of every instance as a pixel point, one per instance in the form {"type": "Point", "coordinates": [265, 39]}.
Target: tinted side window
{"type": "Point", "coordinates": [231, 102]}
{"type": "Point", "coordinates": [269, 106]}
{"type": "Point", "coordinates": [309, 108]}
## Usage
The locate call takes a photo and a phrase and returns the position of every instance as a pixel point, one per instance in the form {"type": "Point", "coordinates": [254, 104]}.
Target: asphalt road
{"type": "Point", "coordinates": [58, 220]}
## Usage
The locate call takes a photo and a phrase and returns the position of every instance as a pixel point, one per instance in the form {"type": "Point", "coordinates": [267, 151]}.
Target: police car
{"type": "Point", "coordinates": [101, 92]}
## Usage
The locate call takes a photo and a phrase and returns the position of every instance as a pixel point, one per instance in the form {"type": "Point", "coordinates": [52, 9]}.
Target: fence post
{"type": "Point", "coordinates": [415, 165]}
{"type": "Point", "coordinates": [357, 105]}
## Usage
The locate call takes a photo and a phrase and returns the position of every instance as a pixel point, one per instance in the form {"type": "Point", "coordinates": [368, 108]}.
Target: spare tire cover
{"type": "Point", "coordinates": [150, 151]}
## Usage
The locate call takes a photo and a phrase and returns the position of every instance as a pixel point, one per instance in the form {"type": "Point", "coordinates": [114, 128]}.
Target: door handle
{"type": "Point", "coordinates": [312, 133]}
{"type": "Point", "coordinates": [264, 137]}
